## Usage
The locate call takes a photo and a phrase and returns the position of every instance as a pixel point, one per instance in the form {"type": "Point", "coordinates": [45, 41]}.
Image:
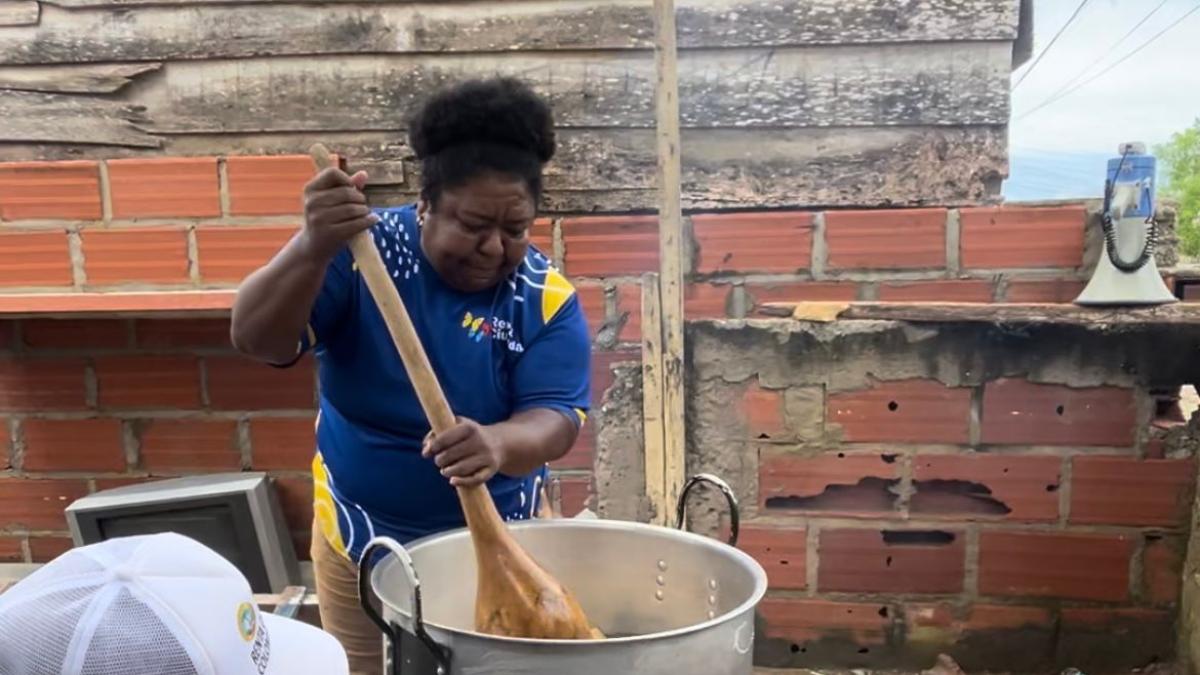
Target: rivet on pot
{"type": "Point", "coordinates": [658, 594]}
{"type": "Point", "coordinates": [712, 583]}
{"type": "Point", "coordinates": [712, 614]}
{"type": "Point", "coordinates": [662, 565]}
{"type": "Point", "coordinates": [661, 580]}
{"type": "Point", "coordinates": [712, 599]}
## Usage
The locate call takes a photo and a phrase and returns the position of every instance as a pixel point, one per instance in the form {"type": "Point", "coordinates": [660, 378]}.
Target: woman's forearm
{"type": "Point", "coordinates": [273, 304]}
{"type": "Point", "coordinates": [532, 438]}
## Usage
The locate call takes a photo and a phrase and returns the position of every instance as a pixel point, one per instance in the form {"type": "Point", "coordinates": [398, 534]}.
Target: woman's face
{"type": "Point", "coordinates": [479, 232]}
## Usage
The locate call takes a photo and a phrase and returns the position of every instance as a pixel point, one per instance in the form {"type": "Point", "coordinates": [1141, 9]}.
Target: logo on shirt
{"type": "Point", "coordinates": [478, 328]}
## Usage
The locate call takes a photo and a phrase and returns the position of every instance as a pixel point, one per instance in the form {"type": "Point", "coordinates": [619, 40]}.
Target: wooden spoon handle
{"type": "Point", "coordinates": [477, 503]}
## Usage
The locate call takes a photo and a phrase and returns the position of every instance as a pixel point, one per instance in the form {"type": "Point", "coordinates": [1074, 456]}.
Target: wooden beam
{"type": "Point", "coordinates": [103, 78]}
{"type": "Point", "coordinates": [185, 29]}
{"type": "Point", "coordinates": [652, 400]}
{"type": "Point", "coordinates": [1180, 314]}
{"type": "Point", "coordinates": [19, 13]}
{"type": "Point", "coordinates": [671, 251]}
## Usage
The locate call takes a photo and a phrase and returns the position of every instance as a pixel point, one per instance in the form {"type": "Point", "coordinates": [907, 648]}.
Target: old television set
{"type": "Point", "coordinates": [235, 514]}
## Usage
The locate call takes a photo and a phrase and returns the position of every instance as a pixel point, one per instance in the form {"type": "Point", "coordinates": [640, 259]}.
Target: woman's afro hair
{"type": "Point", "coordinates": [495, 111]}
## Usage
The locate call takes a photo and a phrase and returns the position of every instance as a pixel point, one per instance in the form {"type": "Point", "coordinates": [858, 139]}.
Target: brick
{"type": "Point", "coordinates": [6, 445]}
{"type": "Point", "coordinates": [705, 301]}
{"type": "Point", "coordinates": [1128, 491]}
{"type": "Point", "coordinates": [156, 255]}
{"type": "Point", "coordinates": [958, 290]}
{"type": "Point", "coordinates": [802, 621]}
{"type": "Point", "coordinates": [75, 333]}
{"type": "Point", "coordinates": [229, 254]}
{"type": "Point", "coordinates": [169, 187]}
{"type": "Point", "coordinates": [1022, 236]}
{"type": "Point", "coordinates": [874, 561]}
{"type": "Point", "coordinates": [802, 291]}
{"type": "Point", "coordinates": [30, 384]}
{"type": "Point", "coordinates": [296, 499]}
{"type": "Point", "coordinates": [34, 259]}
{"type": "Point", "coordinates": [753, 242]}
{"type": "Point", "coordinates": [1018, 412]}
{"type": "Point", "coordinates": [148, 382]}
{"type": "Point", "coordinates": [902, 411]}
{"type": "Point", "coordinates": [73, 445]}
{"type": "Point", "coordinates": [761, 410]}
{"type": "Point", "coordinates": [1007, 617]}
{"type": "Point", "coordinates": [236, 383]}
{"type": "Point", "coordinates": [45, 549]}
{"type": "Point", "coordinates": [282, 443]}
{"type": "Point", "coordinates": [782, 553]}
{"type": "Point", "coordinates": [1013, 487]}
{"type": "Point", "coordinates": [603, 246]}
{"type": "Point", "coordinates": [591, 299]}
{"type": "Point", "coordinates": [841, 483]}
{"type": "Point", "coordinates": [1162, 569]}
{"type": "Point", "coordinates": [186, 445]}
{"type": "Point", "coordinates": [1044, 290]}
{"type": "Point", "coordinates": [575, 493]}
{"type": "Point", "coordinates": [40, 190]}
{"type": "Point", "coordinates": [1069, 566]}
{"type": "Point", "coordinates": [11, 551]}
{"type": "Point", "coordinates": [264, 186]}
{"type": "Point", "coordinates": [182, 333]}
{"type": "Point", "coordinates": [37, 504]}
{"type": "Point", "coordinates": [629, 302]}
{"type": "Point", "coordinates": [111, 483]}
{"type": "Point", "coordinates": [1120, 639]}
{"type": "Point", "coordinates": [897, 239]}
{"type": "Point", "coordinates": [541, 235]}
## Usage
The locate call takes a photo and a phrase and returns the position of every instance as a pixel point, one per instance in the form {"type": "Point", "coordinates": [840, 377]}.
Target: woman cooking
{"type": "Point", "coordinates": [504, 333]}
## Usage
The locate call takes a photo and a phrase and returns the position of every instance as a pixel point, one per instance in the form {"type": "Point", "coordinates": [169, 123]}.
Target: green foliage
{"type": "Point", "coordinates": [1180, 173]}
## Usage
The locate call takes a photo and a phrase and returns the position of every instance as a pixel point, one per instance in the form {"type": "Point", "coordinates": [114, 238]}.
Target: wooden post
{"type": "Point", "coordinates": [652, 399]}
{"type": "Point", "coordinates": [671, 257]}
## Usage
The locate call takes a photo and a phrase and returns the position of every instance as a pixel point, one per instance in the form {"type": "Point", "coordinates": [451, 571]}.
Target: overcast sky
{"type": "Point", "coordinates": [1059, 150]}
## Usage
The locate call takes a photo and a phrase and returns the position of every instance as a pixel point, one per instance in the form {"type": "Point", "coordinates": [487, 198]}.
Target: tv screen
{"type": "Point", "coordinates": [236, 515]}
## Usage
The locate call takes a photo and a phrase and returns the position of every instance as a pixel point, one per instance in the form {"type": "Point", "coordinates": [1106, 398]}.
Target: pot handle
{"type": "Point", "coordinates": [440, 653]}
{"type": "Point", "coordinates": [734, 513]}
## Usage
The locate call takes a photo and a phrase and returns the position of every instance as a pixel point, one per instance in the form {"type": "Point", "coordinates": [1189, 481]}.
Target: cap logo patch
{"type": "Point", "coordinates": [247, 621]}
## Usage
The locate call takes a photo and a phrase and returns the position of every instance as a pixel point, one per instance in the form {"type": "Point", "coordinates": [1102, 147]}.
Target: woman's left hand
{"type": "Point", "coordinates": [468, 454]}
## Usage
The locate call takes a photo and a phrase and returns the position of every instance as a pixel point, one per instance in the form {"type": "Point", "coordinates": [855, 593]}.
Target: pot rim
{"type": "Point", "coordinates": [759, 574]}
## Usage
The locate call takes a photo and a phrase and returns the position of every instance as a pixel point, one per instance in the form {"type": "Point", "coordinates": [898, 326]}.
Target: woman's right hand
{"type": "Point", "coordinates": [335, 209]}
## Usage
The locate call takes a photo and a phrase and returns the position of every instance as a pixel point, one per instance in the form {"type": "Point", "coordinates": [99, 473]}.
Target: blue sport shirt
{"type": "Point", "coordinates": [521, 345]}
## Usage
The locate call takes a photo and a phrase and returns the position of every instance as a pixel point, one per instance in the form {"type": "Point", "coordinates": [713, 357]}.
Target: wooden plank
{"type": "Point", "coordinates": [671, 242]}
{"type": "Point", "coordinates": [653, 422]}
{"type": "Point", "coordinates": [912, 85]}
{"type": "Point", "coordinates": [1180, 314]}
{"type": "Point", "coordinates": [54, 118]}
{"type": "Point", "coordinates": [103, 78]}
{"type": "Point", "coordinates": [19, 12]}
{"type": "Point", "coordinates": [164, 29]}
{"type": "Point", "coordinates": [614, 170]}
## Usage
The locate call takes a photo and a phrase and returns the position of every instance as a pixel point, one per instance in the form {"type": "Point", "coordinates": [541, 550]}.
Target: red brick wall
{"type": "Point", "coordinates": [1077, 523]}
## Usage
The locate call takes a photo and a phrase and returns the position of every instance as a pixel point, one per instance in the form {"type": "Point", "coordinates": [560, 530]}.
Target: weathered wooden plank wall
{"type": "Point", "coordinates": [793, 102]}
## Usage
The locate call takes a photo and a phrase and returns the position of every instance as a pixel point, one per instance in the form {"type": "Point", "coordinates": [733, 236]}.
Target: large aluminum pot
{"type": "Point", "coordinates": [672, 602]}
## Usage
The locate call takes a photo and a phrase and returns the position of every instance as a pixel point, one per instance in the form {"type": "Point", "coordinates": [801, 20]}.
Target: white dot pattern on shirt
{"type": "Point", "coordinates": [390, 237]}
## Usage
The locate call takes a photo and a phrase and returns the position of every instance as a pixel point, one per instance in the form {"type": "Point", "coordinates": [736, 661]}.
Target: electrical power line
{"type": "Point", "coordinates": [1038, 59]}
{"type": "Point", "coordinates": [1109, 51]}
{"type": "Point", "coordinates": [1123, 59]}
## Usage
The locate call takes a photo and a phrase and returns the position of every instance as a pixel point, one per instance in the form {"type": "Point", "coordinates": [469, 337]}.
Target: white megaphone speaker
{"type": "Point", "coordinates": [1127, 273]}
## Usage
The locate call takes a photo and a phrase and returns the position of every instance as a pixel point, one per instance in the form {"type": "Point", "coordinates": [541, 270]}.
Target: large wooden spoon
{"type": "Point", "coordinates": [516, 597]}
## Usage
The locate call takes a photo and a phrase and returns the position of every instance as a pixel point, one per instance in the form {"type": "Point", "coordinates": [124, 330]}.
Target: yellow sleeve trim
{"type": "Point", "coordinates": [555, 294]}
{"type": "Point", "coordinates": [582, 416]}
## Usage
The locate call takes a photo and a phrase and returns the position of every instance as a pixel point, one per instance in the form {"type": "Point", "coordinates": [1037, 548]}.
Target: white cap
{"type": "Point", "coordinates": [162, 604]}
